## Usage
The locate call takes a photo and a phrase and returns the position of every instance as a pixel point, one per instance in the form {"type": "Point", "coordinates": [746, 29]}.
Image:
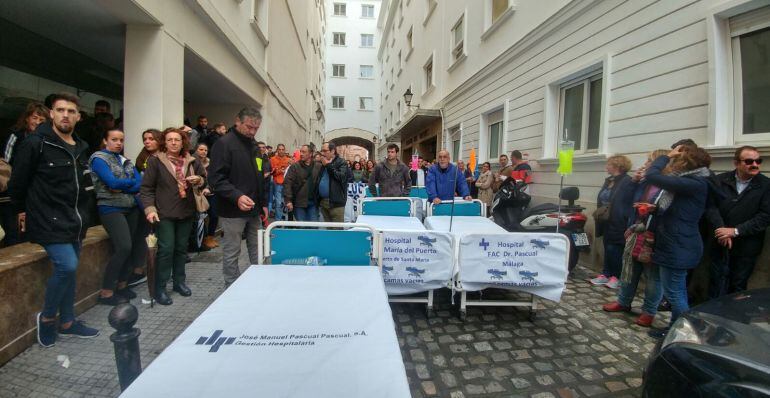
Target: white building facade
{"type": "Point", "coordinates": [160, 62]}
{"type": "Point", "coordinates": [617, 77]}
{"type": "Point", "coordinates": [352, 71]}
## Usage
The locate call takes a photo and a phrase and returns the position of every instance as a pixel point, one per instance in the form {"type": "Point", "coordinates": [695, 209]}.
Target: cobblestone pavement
{"type": "Point", "coordinates": [572, 349]}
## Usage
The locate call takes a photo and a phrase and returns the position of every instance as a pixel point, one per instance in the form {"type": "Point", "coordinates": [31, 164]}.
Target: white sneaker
{"type": "Point", "coordinates": [613, 283]}
{"type": "Point", "coordinates": [599, 280]}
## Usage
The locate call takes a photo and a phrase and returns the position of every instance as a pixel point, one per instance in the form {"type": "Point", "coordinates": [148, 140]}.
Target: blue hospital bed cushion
{"type": "Point", "coordinates": [329, 247]}
{"type": "Point", "coordinates": [461, 209]}
{"type": "Point", "coordinates": [400, 208]}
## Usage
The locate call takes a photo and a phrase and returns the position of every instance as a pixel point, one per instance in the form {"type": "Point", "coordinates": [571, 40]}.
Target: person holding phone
{"type": "Point", "coordinates": [167, 196]}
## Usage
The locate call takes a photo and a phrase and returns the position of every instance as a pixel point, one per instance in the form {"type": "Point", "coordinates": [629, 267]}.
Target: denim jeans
{"type": "Point", "coordinates": [652, 292]}
{"type": "Point", "coordinates": [60, 290]}
{"type": "Point", "coordinates": [674, 283]}
{"type": "Point", "coordinates": [277, 202]}
{"type": "Point", "coordinates": [270, 193]}
{"type": "Point", "coordinates": [309, 213]}
{"type": "Point", "coordinates": [613, 260]}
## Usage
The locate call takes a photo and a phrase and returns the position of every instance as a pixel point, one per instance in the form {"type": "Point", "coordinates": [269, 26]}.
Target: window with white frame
{"type": "Point", "coordinates": [338, 102]}
{"type": "Point", "coordinates": [458, 44]}
{"type": "Point", "coordinates": [454, 135]}
{"type": "Point", "coordinates": [366, 71]}
{"type": "Point", "coordinates": [340, 9]}
{"type": "Point", "coordinates": [338, 38]}
{"type": "Point", "coordinates": [494, 134]}
{"type": "Point", "coordinates": [750, 34]}
{"type": "Point", "coordinates": [367, 40]}
{"type": "Point", "coordinates": [365, 103]}
{"type": "Point", "coordinates": [428, 73]}
{"type": "Point", "coordinates": [580, 112]}
{"type": "Point", "coordinates": [367, 10]}
{"type": "Point", "coordinates": [338, 70]}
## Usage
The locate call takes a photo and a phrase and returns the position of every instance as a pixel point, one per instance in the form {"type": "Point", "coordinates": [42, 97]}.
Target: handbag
{"type": "Point", "coordinates": [201, 203]}
{"type": "Point", "coordinates": [601, 214]}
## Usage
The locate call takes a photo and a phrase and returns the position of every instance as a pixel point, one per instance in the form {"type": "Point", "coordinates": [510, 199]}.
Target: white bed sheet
{"type": "Point", "coordinates": [286, 331]}
{"type": "Point", "coordinates": [463, 225]}
{"type": "Point", "coordinates": [391, 222]}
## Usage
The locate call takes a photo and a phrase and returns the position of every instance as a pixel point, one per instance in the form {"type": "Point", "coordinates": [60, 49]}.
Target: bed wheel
{"type": "Point", "coordinates": [532, 315]}
{"type": "Point", "coordinates": [430, 312]}
{"type": "Point", "coordinates": [462, 315]}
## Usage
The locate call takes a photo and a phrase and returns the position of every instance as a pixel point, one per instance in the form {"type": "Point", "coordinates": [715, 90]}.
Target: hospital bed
{"type": "Point", "coordinates": [488, 256]}
{"type": "Point", "coordinates": [290, 330]}
{"type": "Point", "coordinates": [414, 261]}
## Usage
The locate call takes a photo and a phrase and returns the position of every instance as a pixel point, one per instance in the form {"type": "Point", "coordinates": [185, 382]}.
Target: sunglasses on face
{"type": "Point", "coordinates": [749, 162]}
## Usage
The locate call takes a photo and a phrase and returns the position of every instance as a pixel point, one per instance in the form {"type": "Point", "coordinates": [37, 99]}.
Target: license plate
{"type": "Point", "coordinates": [580, 239]}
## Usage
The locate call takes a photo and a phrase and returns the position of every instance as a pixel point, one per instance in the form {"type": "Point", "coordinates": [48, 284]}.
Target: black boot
{"type": "Point", "coordinates": [182, 289]}
{"type": "Point", "coordinates": [162, 298]}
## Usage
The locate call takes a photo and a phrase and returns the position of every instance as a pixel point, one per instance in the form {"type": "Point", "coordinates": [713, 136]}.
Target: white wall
{"type": "Point", "coordinates": [352, 56]}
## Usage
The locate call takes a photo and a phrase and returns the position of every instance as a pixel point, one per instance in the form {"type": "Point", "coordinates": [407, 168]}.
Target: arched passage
{"type": "Point", "coordinates": [354, 137]}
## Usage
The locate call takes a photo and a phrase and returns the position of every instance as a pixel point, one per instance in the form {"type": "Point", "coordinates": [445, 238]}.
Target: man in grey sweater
{"type": "Point", "coordinates": [392, 176]}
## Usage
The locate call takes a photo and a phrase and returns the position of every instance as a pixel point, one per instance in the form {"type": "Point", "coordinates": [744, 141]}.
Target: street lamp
{"type": "Point", "coordinates": [408, 98]}
{"type": "Point", "coordinates": [319, 113]}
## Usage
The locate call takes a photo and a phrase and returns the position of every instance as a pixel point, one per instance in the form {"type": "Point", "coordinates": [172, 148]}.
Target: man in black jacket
{"type": "Point", "coordinates": [740, 221]}
{"type": "Point", "coordinates": [236, 174]}
{"type": "Point", "coordinates": [48, 190]}
{"type": "Point", "coordinates": [333, 187]}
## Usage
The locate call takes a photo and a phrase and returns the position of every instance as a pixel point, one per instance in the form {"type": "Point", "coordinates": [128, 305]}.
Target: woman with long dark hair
{"type": "Point", "coordinates": [168, 199]}
{"type": "Point", "coordinates": [358, 172]}
{"type": "Point", "coordinates": [151, 142]}
{"type": "Point", "coordinates": [201, 153]}
{"type": "Point", "coordinates": [116, 183]}
{"type": "Point", "coordinates": [35, 114]}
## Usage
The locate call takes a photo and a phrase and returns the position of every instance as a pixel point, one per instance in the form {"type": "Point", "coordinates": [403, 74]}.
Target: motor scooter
{"type": "Point", "coordinates": [510, 210]}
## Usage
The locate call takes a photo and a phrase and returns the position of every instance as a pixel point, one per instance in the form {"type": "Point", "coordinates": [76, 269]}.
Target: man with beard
{"type": "Point", "coordinates": [740, 220]}
{"type": "Point", "coordinates": [48, 190]}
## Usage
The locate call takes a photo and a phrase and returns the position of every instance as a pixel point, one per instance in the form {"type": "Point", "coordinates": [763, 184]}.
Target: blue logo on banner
{"type": "Point", "coordinates": [540, 244]}
{"type": "Point", "coordinates": [496, 273]}
{"type": "Point", "coordinates": [215, 341]}
{"type": "Point", "coordinates": [416, 272]}
{"type": "Point", "coordinates": [425, 241]}
{"type": "Point", "coordinates": [484, 244]}
{"type": "Point", "coordinates": [528, 275]}
{"type": "Point", "coordinates": [386, 270]}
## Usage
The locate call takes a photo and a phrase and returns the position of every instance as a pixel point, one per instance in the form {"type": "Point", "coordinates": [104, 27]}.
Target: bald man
{"type": "Point", "coordinates": [444, 180]}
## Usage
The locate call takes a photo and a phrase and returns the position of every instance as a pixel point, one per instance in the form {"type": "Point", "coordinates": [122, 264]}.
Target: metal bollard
{"type": "Point", "coordinates": [126, 341]}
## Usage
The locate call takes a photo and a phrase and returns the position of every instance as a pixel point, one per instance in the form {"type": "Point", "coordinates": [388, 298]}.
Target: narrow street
{"type": "Point", "coordinates": [572, 349]}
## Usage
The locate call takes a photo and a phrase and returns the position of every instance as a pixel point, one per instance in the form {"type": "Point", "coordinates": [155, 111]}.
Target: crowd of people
{"type": "Point", "coordinates": [659, 221]}
{"type": "Point", "coordinates": [651, 221]}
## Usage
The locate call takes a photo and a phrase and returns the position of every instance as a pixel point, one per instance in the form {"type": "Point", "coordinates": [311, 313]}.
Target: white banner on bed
{"type": "Point", "coordinates": [529, 262]}
{"type": "Point", "coordinates": [416, 261]}
{"type": "Point", "coordinates": [356, 191]}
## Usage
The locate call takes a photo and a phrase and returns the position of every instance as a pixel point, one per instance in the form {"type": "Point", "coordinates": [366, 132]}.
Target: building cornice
{"type": "Point", "coordinates": [569, 11]}
{"type": "Point", "coordinates": [391, 11]}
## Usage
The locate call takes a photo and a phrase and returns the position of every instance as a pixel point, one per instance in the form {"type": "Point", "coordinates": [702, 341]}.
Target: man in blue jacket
{"type": "Point", "coordinates": [444, 180]}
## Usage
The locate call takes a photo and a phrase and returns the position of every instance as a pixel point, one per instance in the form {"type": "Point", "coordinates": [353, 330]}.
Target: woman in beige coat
{"type": "Point", "coordinates": [484, 184]}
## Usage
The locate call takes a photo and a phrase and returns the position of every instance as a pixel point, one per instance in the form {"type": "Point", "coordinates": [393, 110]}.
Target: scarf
{"type": "Point", "coordinates": [667, 197]}
{"type": "Point", "coordinates": [178, 163]}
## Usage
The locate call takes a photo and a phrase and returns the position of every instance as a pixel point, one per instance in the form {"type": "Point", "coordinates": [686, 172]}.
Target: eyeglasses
{"type": "Point", "coordinates": [749, 162]}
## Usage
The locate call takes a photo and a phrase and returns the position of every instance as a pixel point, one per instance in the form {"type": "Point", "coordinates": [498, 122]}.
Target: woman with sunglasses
{"type": "Point", "coordinates": [739, 221]}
